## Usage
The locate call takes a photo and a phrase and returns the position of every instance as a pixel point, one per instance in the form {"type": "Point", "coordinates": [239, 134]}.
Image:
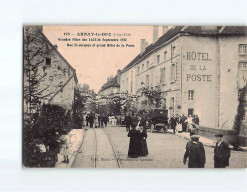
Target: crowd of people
{"type": "Point", "coordinates": [97, 120]}
{"type": "Point", "coordinates": [184, 124]}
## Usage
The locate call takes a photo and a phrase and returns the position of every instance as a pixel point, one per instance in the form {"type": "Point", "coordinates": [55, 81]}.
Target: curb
{"type": "Point", "coordinates": [72, 158]}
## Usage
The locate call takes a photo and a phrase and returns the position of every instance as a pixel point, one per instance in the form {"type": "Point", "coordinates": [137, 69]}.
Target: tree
{"type": "Point", "coordinates": [85, 87]}
{"type": "Point", "coordinates": [239, 117]}
{"type": "Point", "coordinates": [51, 120]}
{"type": "Point", "coordinates": [78, 108]}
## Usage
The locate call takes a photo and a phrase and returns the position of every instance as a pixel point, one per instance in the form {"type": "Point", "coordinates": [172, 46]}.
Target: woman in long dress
{"type": "Point", "coordinates": [65, 150]}
{"type": "Point", "coordinates": [143, 136]}
{"type": "Point", "coordinates": [134, 145]}
{"type": "Point", "coordinates": [143, 143]}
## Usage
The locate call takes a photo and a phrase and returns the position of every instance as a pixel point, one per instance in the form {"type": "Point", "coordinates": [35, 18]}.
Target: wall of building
{"type": "Point", "coordinates": [65, 97]}
{"type": "Point", "coordinates": [199, 73]}
{"type": "Point", "coordinates": [53, 75]}
{"type": "Point", "coordinates": [229, 78]}
{"type": "Point", "coordinates": [109, 91]}
{"type": "Point", "coordinates": [124, 83]}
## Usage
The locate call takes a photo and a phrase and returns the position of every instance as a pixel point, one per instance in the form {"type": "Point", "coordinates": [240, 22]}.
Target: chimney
{"type": "Point", "coordinates": [143, 45]}
{"type": "Point", "coordinates": [155, 33]}
{"type": "Point", "coordinates": [55, 46]}
{"type": "Point", "coordinates": [164, 29]}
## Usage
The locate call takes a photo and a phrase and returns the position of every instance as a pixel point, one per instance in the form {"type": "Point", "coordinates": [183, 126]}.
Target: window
{"type": "Point", "coordinates": [48, 61]}
{"type": "Point", "coordinates": [191, 95]}
{"type": "Point", "coordinates": [147, 81]}
{"type": "Point", "coordinates": [165, 55]}
{"type": "Point", "coordinates": [173, 51]}
{"type": "Point", "coordinates": [162, 75]}
{"type": "Point", "coordinates": [242, 48]}
{"type": "Point", "coordinates": [242, 65]}
{"type": "Point", "coordinates": [131, 74]}
{"type": "Point", "coordinates": [138, 70]}
{"type": "Point", "coordinates": [147, 64]}
{"type": "Point", "coordinates": [142, 67]}
{"type": "Point", "coordinates": [173, 72]}
{"type": "Point", "coordinates": [158, 58]}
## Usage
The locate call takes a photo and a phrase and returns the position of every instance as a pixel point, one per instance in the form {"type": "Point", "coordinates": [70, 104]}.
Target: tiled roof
{"type": "Point", "coordinates": [193, 30]}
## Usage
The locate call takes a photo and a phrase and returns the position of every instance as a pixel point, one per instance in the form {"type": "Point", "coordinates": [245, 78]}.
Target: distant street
{"type": "Point", "coordinates": [165, 151]}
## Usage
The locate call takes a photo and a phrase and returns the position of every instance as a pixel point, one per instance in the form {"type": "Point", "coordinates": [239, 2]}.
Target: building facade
{"type": "Point", "coordinates": [56, 77]}
{"type": "Point", "coordinates": [199, 70]}
{"type": "Point", "coordinates": [112, 86]}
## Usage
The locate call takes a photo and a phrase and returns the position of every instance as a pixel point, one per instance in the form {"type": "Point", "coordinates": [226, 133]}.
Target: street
{"type": "Point", "coordinates": [165, 151]}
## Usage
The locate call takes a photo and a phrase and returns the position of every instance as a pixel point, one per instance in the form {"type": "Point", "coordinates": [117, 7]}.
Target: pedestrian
{"type": "Point", "coordinates": [105, 120]}
{"type": "Point", "coordinates": [134, 144]}
{"type": "Point", "coordinates": [143, 151]}
{"type": "Point", "coordinates": [91, 120]}
{"type": "Point", "coordinates": [96, 120]}
{"type": "Point", "coordinates": [221, 152]}
{"type": "Point", "coordinates": [195, 152]}
{"type": "Point", "coordinates": [143, 122]}
{"type": "Point", "coordinates": [127, 120]}
{"type": "Point", "coordinates": [65, 150]}
{"type": "Point", "coordinates": [173, 123]}
{"type": "Point", "coordinates": [196, 121]}
{"type": "Point", "coordinates": [189, 121]}
{"type": "Point", "coordinates": [184, 125]}
{"type": "Point", "coordinates": [179, 127]}
{"type": "Point", "coordinates": [102, 121]}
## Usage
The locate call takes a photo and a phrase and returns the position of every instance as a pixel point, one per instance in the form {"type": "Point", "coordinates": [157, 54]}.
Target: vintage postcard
{"type": "Point", "coordinates": [134, 96]}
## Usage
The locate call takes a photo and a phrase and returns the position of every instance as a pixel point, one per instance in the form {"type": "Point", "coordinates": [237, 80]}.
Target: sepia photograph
{"type": "Point", "coordinates": [135, 96]}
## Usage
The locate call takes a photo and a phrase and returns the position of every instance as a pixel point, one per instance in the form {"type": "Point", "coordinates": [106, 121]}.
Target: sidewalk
{"type": "Point", "coordinates": [76, 137]}
{"type": "Point", "coordinates": [204, 140]}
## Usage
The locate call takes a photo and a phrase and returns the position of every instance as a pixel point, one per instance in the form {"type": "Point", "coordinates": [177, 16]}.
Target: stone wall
{"type": "Point", "coordinates": [228, 134]}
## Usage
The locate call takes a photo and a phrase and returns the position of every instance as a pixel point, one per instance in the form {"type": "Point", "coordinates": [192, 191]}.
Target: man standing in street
{"type": "Point", "coordinates": [196, 153]}
{"type": "Point", "coordinates": [173, 123]}
{"type": "Point", "coordinates": [221, 153]}
{"type": "Point", "coordinates": [183, 119]}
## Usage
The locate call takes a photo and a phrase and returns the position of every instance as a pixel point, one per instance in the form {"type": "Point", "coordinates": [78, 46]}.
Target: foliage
{"type": "Point", "coordinates": [78, 109]}
{"type": "Point", "coordinates": [52, 119]}
{"type": "Point", "coordinates": [238, 119]}
{"type": "Point", "coordinates": [31, 150]}
{"type": "Point", "coordinates": [153, 98]}
{"type": "Point", "coordinates": [85, 87]}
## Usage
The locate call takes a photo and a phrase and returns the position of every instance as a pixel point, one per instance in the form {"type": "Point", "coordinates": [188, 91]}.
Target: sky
{"type": "Point", "coordinates": [94, 64]}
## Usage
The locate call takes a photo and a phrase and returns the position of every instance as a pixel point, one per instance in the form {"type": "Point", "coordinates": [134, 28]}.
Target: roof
{"type": "Point", "coordinates": [111, 83]}
{"type": "Point", "coordinates": [189, 30]}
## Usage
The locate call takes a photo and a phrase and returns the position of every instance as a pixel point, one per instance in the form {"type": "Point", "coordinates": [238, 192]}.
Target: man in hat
{"type": "Point", "coordinates": [221, 152]}
{"type": "Point", "coordinates": [196, 153]}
